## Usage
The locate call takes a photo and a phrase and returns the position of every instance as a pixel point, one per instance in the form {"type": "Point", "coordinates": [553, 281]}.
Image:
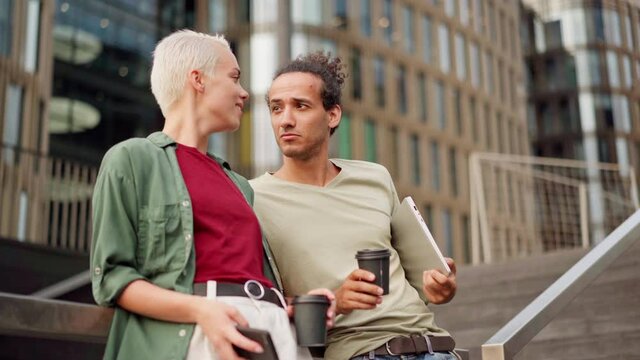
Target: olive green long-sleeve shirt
{"type": "Point", "coordinates": [143, 229]}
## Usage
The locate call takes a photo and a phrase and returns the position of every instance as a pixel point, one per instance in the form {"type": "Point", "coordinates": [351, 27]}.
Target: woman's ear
{"type": "Point", "coordinates": [196, 80]}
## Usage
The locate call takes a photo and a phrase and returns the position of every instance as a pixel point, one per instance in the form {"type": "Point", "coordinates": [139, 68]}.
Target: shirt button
{"type": "Point", "coordinates": [185, 203]}
{"type": "Point", "coordinates": [187, 237]}
{"type": "Point", "coordinates": [97, 271]}
{"type": "Point", "coordinates": [182, 332]}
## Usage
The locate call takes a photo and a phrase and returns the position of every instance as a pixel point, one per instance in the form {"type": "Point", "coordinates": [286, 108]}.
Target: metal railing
{"type": "Point", "coordinates": [518, 332]}
{"type": "Point", "coordinates": [45, 200]}
{"type": "Point", "coordinates": [53, 319]}
{"type": "Point", "coordinates": [523, 205]}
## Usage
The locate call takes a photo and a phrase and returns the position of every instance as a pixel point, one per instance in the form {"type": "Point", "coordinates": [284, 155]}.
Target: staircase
{"type": "Point", "coordinates": [602, 323]}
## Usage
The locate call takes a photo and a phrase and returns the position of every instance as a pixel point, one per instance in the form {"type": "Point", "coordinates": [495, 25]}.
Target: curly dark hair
{"type": "Point", "coordinates": [328, 69]}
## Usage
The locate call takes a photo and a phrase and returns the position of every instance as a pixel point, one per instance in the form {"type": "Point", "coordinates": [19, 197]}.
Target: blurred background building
{"type": "Point", "coordinates": [429, 82]}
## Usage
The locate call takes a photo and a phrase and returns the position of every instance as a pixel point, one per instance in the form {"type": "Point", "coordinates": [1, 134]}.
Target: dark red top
{"type": "Point", "coordinates": [227, 234]}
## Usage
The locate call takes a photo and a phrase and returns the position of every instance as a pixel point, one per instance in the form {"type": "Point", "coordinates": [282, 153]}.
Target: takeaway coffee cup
{"type": "Point", "coordinates": [377, 262]}
{"type": "Point", "coordinates": [310, 317]}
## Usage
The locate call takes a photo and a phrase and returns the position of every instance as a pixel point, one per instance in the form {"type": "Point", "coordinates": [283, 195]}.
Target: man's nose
{"type": "Point", "coordinates": [288, 118]}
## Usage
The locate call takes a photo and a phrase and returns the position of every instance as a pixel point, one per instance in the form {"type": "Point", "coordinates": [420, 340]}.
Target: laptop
{"type": "Point", "coordinates": [413, 240]}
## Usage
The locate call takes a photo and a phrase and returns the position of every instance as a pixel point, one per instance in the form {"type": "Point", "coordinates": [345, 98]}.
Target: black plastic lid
{"type": "Point", "coordinates": [366, 254]}
{"type": "Point", "coordinates": [306, 299]}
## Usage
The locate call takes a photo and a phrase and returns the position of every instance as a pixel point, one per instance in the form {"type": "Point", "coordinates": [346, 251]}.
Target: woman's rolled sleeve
{"type": "Point", "coordinates": [113, 260]}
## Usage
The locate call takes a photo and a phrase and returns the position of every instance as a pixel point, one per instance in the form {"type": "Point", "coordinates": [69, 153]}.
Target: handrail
{"type": "Point", "coordinates": [517, 333]}
{"type": "Point", "coordinates": [65, 286]}
{"type": "Point", "coordinates": [53, 319]}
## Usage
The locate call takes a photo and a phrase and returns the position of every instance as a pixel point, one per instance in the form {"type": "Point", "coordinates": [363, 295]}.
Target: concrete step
{"type": "Point", "coordinates": [606, 312]}
{"type": "Point", "coordinates": [623, 345]}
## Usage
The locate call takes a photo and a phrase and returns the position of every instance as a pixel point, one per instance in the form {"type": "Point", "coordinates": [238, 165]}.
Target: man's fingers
{"type": "Point", "coordinates": [361, 275]}
{"type": "Point", "coordinates": [437, 277]}
{"type": "Point", "coordinates": [452, 265]}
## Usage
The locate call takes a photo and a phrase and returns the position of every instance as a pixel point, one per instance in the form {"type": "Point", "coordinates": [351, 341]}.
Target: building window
{"type": "Point", "coordinates": [218, 15]}
{"type": "Point", "coordinates": [627, 24]}
{"type": "Point", "coordinates": [6, 24]}
{"type": "Point", "coordinates": [588, 68]}
{"type": "Point", "coordinates": [435, 166]}
{"type": "Point", "coordinates": [475, 66]}
{"type": "Point", "coordinates": [308, 12]}
{"type": "Point", "coordinates": [612, 69]}
{"type": "Point", "coordinates": [428, 215]}
{"type": "Point", "coordinates": [356, 74]}
{"type": "Point", "coordinates": [370, 149]}
{"type": "Point", "coordinates": [409, 42]}
{"type": "Point", "coordinates": [445, 55]}
{"type": "Point", "coordinates": [461, 57]}
{"type": "Point", "coordinates": [603, 25]}
{"type": "Point", "coordinates": [464, 12]}
{"type": "Point", "coordinates": [626, 72]}
{"type": "Point", "coordinates": [415, 160]}
{"type": "Point", "coordinates": [387, 11]}
{"type": "Point", "coordinates": [378, 66]}
{"type": "Point", "coordinates": [492, 23]}
{"type": "Point", "coordinates": [448, 231]}
{"type": "Point", "coordinates": [422, 99]}
{"type": "Point", "coordinates": [395, 148]}
{"type": "Point", "coordinates": [344, 137]}
{"type": "Point", "coordinates": [427, 37]}
{"type": "Point", "coordinates": [365, 17]}
{"type": "Point", "coordinates": [488, 130]}
{"type": "Point", "coordinates": [440, 105]}
{"type": "Point", "coordinates": [402, 89]}
{"type": "Point", "coordinates": [12, 122]}
{"type": "Point", "coordinates": [450, 8]}
{"type": "Point", "coordinates": [477, 16]}
{"type": "Point", "coordinates": [341, 14]}
{"type": "Point", "coordinates": [32, 32]}
{"type": "Point", "coordinates": [453, 172]}
{"type": "Point", "coordinates": [474, 118]}
{"type": "Point", "coordinates": [457, 108]}
{"type": "Point", "coordinates": [488, 62]}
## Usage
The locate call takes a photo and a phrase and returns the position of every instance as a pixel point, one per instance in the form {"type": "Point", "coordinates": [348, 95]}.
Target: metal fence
{"type": "Point", "coordinates": [45, 200]}
{"type": "Point", "coordinates": [527, 205]}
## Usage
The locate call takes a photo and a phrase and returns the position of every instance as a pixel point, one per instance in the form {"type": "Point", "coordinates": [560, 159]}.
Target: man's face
{"type": "Point", "coordinates": [224, 97]}
{"type": "Point", "coordinates": [300, 123]}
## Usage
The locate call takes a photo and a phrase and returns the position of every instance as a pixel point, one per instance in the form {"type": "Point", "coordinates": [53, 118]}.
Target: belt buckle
{"type": "Point", "coordinates": [247, 290]}
{"type": "Point", "coordinates": [386, 346]}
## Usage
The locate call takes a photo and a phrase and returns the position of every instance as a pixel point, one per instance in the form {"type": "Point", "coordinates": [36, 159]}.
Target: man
{"type": "Point", "coordinates": [177, 248]}
{"type": "Point", "coordinates": [317, 213]}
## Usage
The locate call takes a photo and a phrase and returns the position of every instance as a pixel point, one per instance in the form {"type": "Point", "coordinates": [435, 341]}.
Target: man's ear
{"type": "Point", "coordinates": [334, 114]}
{"type": "Point", "coordinates": [196, 80]}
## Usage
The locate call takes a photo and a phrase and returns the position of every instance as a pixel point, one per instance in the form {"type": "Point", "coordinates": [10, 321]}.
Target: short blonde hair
{"type": "Point", "coordinates": [175, 56]}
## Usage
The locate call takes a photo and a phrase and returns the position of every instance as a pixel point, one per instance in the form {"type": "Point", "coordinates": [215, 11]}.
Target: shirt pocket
{"type": "Point", "coordinates": [158, 238]}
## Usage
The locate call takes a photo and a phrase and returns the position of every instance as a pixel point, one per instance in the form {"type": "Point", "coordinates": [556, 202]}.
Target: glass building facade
{"type": "Point", "coordinates": [102, 57]}
{"type": "Point", "coordinates": [582, 71]}
{"type": "Point", "coordinates": [429, 82]}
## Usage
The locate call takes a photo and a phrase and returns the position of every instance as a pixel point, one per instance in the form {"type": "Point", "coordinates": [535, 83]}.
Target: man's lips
{"type": "Point", "coordinates": [288, 136]}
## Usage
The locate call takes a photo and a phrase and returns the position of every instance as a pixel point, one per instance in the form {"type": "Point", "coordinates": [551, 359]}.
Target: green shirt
{"type": "Point", "coordinates": [143, 229]}
{"type": "Point", "coordinates": [315, 232]}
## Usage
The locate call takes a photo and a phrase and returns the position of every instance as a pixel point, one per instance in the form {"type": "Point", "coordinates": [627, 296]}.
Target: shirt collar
{"type": "Point", "coordinates": [163, 140]}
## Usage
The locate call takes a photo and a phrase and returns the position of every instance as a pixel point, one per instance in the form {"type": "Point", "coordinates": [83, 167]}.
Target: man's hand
{"type": "Point", "coordinates": [218, 322]}
{"type": "Point", "coordinates": [438, 287]}
{"type": "Point", "coordinates": [358, 293]}
{"type": "Point", "coordinates": [331, 311]}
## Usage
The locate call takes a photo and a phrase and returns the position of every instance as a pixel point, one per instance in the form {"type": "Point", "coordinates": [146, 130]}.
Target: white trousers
{"type": "Point", "coordinates": [260, 315]}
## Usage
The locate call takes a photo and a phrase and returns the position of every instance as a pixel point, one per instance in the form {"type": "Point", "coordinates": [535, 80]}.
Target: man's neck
{"type": "Point", "coordinates": [318, 171]}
